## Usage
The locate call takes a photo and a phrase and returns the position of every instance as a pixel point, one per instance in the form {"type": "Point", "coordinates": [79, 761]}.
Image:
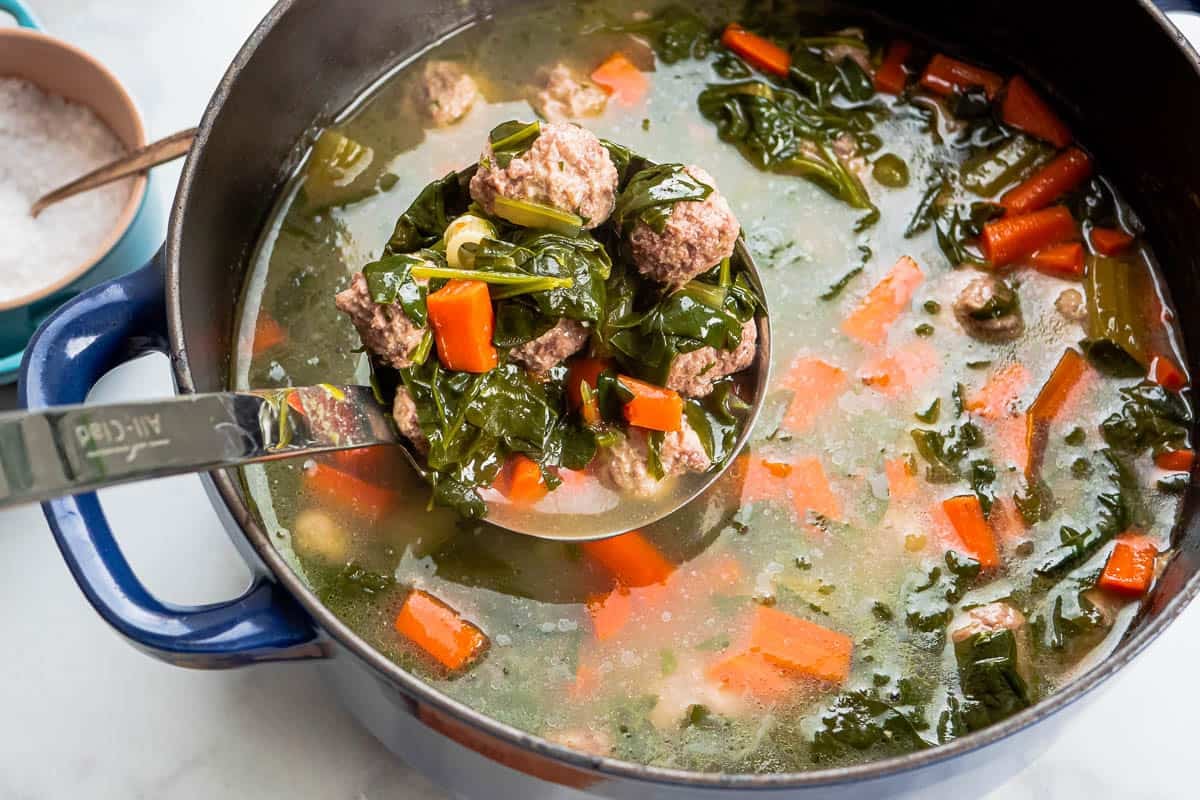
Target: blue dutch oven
{"type": "Point", "coordinates": [60, 68]}
{"type": "Point", "coordinates": [310, 58]}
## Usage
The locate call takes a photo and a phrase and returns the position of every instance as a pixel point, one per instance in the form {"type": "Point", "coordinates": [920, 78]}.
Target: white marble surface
{"type": "Point", "coordinates": [85, 715]}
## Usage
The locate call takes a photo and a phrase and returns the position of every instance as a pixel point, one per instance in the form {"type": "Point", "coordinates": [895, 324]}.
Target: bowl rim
{"type": "Point", "coordinates": [412, 687]}
{"type": "Point", "coordinates": [137, 193]}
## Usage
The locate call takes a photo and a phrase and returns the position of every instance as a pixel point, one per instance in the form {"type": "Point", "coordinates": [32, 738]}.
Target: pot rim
{"type": "Point", "coordinates": [417, 690]}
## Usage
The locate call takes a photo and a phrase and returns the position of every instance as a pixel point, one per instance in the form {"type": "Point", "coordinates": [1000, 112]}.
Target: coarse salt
{"type": "Point", "coordinates": [46, 141]}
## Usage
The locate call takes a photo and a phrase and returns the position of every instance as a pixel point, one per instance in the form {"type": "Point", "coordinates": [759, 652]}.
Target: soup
{"type": "Point", "coordinates": [972, 452]}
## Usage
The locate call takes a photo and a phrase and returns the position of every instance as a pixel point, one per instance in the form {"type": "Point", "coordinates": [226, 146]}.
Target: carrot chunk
{"type": "Point", "coordinates": [631, 559]}
{"type": "Point", "coordinates": [439, 630]}
{"type": "Point", "coordinates": [946, 75]}
{"type": "Point", "coordinates": [883, 305]}
{"type": "Point", "coordinates": [1050, 400]}
{"type": "Point", "coordinates": [1011, 239]}
{"type": "Point", "coordinates": [758, 52]}
{"type": "Point", "coordinates": [621, 79]}
{"type": "Point", "coordinates": [995, 399]}
{"type": "Point", "coordinates": [752, 674]}
{"type": "Point", "coordinates": [526, 484]}
{"type": "Point", "coordinates": [1060, 260]}
{"type": "Point", "coordinates": [268, 334]}
{"type": "Point", "coordinates": [1065, 173]}
{"type": "Point", "coordinates": [1175, 460]}
{"type": "Point", "coordinates": [1110, 241]}
{"type": "Point", "coordinates": [891, 77]}
{"type": "Point", "coordinates": [652, 407]}
{"type": "Point", "coordinates": [966, 515]}
{"type": "Point", "coordinates": [811, 490]}
{"type": "Point", "coordinates": [815, 384]}
{"type": "Point", "coordinates": [1024, 109]}
{"type": "Point", "coordinates": [585, 370]}
{"type": "Point", "coordinates": [898, 373]}
{"type": "Point", "coordinates": [610, 613]}
{"type": "Point", "coordinates": [901, 477]}
{"type": "Point", "coordinates": [1166, 374]}
{"type": "Point", "coordinates": [1129, 570]}
{"type": "Point", "coordinates": [800, 646]}
{"type": "Point", "coordinates": [343, 490]}
{"type": "Point", "coordinates": [462, 318]}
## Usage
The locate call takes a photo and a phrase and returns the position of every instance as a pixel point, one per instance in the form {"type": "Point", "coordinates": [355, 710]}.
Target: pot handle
{"type": "Point", "coordinates": [20, 12]}
{"type": "Point", "coordinates": [101, 328]}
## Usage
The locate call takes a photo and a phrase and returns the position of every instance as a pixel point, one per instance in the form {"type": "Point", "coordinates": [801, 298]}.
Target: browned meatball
{"type": "Point", "coordinates": [989, 310]}
{"type": "Point", "coordinates": [562, 341]}
{"type": "Point", "coordinates": [566, 96]}
{"type": "Point", "coordinates": [385, 330]}
{"type": "Point", "coordinates": [444, 92]}
{"type": "Point", "coordinates": [566, 167]}
{"type": "Point", "coordinates": [624, 465]}
{"type": "Point", "coordinates": [989, 618]}
{"type": "Point", "coordinates": [698, 234]}
{"type": "Point", "coordinates": [404, 412]}
{"type": "Point", "coordinates": [692, 374]}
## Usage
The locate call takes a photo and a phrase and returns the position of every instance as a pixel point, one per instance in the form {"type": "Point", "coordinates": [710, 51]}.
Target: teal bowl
{"type": "Point", "coordinates": [63, 69]}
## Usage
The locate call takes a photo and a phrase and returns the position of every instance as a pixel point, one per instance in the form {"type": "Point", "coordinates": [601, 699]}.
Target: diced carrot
{"type": "Point", "coordinates": [621, 79]}
{"type": "Point", "coordinates": [610, 612]}
{"type": "Point", "coordinates": [762, 478]}
{"type": "Point", "coordinates": [799, 646]}
{"type": "Point", "coordinates": [887, 300]}
{"type": "Point", "coordinates": [966, 515]}
{"type": "Point", "coordinates": [901, 477]}
{"type": "Point", "coordinates": [268, 334]}
{"type": "Point", "coordinates": [584, 370]}
{"type": "Point", "coordinates": [1060, 260]}
{"type": "Point", "coordinates": [526, 484]}
{"type": "Point", "coordinates": [371, 503]}
{"type": "Point", "coordinates": [723, 570]}
{"type": "Point", "coordinates": [1129, 570]}
{"type": "Point", "coordinates": [811, 490]}
{"type": "Point", "coordinates": [1175, 460]}
{"type": "Point", "coordinates": [1166, 374]}
{"type": "Point", "coordinates": [462, 319]}
{"type": "Point", "coordinates": [1003, 386]}
{"type": "Point", "coordinates": [1024, 109]}
{"type": "Point", "coordinates": [902, 372]}
{"type": "Point", "coordinates": [752, 674]}
{"type": "Point", "coordinates": [1050, 400]}
{"type": "Point", "coordinates": [631, 559]}
{"type": "Point", "coordinates": [1013, 238]}
{"type": "Point", "coordinates": [946, 75]}
{"type": "Point", "coordinates": [1065, 173]}
{"type": "Point", "coordinates": [439, 630]}
{"type": "Point", "coordinates": [758, 52]}
{"type": "Point", "coordinates": [652, 407]}
{"type": "Point", "coordinates": [1110, 241]}
{"type": "Point", "coordinates": [891, 77]}
{"type": "Point", "coordinates": [779, 469]}
{"type": "Point", "coordinates": [1010, 442]}
{"type": "Point", "coordinates": [366, 462]}
{"type": "Point", "coordinates": [815, 384]}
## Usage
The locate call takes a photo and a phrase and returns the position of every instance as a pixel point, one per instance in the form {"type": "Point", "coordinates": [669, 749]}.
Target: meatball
{"type": "Point", "coordinates": [989, 310]}
{"type": "Point", "coordinates": [986, 619]}
{"type": "Point", "coordinates": [1072, 305]}
{"type": "Point", "coordinates": [404, 412]}
{"type": "Point", "coordinates": [565, 96]}
{"type": "Point", "coordinates": [698, 234]}
{"type": "Point", "coordinates": [317, 535]}
{"type": "Point", "coordinates": [444, 92]}
{"type": "Point", "coordinates": [693, 373]}
{"type": "Point", "coordinates": [845, 149]}
{"type": "Point", "coordinates": [562, 341]}
{"type": "Point", "coordinates": [385, 329]}
{"type": "Point", "coordinates": [625, 467]}
{"type": "Point", "coordinates": [566, 167]}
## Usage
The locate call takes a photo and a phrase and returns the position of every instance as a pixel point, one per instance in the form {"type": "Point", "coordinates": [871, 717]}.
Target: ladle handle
{"type": "Point", "coordinates": [140, 160]}
{"type": "Point", "coordinates": [72, 449]}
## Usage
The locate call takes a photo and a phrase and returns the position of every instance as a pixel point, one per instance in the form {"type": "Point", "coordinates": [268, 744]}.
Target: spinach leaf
{"type": "Point", "coordinates": [931, 596]}
{"type": "Point", "coordinates": [944, 450]}
{"type": "Point", "coordinates": [676, 33]}
{"type": "Point", "coordinates": [354, 581]}
{"type": "Point", "coordinates": [512, 139]}
{"type": "Point", "coordinates": [1066, 613]}
{"type": "Point", "coordinates": [716, 419]}
{"type": "Point", "coordinates": [424, 222]}
{"type": "Point", "coordinates": [860, 720]}
{"type": "Point", "coordinates": [1151, 417]}
{"type": "Point", "coordinates": [390, 280]}
{"type": "Point", "coordinates": [1115, 511]}
{"type": "Point", "coordinates": [987, 669]}
{"type": "Point", "coordinates": [651, 194]}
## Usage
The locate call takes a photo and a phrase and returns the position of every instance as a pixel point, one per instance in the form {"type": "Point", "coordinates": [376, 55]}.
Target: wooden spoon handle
{"type": "Point", "coordinates": [139, 160]}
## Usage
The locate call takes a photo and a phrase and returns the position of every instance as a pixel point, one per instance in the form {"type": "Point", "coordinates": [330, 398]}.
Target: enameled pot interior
{"type": "Point", "coordinates": [310, 59]}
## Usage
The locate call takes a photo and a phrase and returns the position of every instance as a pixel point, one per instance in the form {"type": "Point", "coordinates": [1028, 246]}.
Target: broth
{"type": "Point", "coordinates": [831, 517]}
